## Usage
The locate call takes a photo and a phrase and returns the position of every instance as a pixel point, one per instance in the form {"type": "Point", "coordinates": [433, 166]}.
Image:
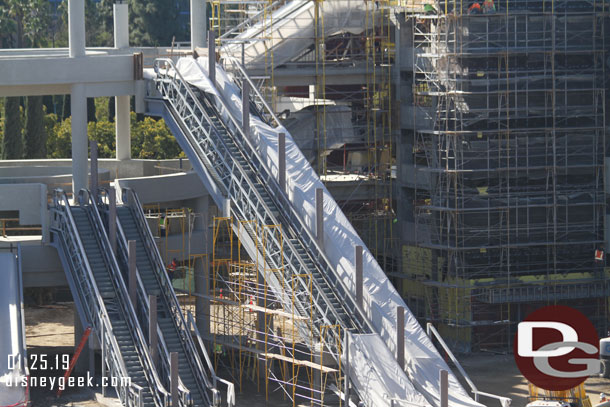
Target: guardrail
{"type": "Point", "coordinates": [433, 333]}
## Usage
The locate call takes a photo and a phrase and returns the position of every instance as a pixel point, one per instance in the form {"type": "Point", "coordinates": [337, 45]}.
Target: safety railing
{"type": "Point", "coordinates": [433, 333]}
{"type": "Point", "coordinates": [252, 20]}
{"type": "Point", "coordinates": [249, 204]}
{"type": "Point", "coordinates": [207, 387]}
{"type": "Point", "coordinates": [158, 391]}
{"type": "Point", "coordinates": [90, 303]}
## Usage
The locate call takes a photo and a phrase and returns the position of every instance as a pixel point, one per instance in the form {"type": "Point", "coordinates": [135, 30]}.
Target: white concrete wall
{"type": "Point", "coordinates": [31, 202]}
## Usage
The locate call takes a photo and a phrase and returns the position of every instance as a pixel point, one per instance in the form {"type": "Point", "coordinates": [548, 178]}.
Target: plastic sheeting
{"type": "Point", "coordinates": [294, 24]}
{"type": "Point", "coordinates": [422, 361]}
{"type": "Point", "coordinates": [11, 340]}
{"type": "Point", "coordinates": [377, 375]}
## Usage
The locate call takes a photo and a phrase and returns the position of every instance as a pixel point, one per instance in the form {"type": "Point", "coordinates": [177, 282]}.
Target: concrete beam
{"type": "Point", "coordinates": [92, 90]}
{"type": "Point", "coordinates": [91, 69]}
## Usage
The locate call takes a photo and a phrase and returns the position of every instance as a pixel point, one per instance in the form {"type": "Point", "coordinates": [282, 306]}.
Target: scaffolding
{"type": "Point", "coordinates": [352, 130]}
{"type": "Point", "coordinates": [255, 332]}
{"type": "Point", "coordinates": [508, 145]}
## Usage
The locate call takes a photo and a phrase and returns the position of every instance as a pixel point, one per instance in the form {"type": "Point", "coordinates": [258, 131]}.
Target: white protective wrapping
{"type": "Point", "coordinates": [422, 361]}
{"type": "Point", "coordinates": [294, 25]}
{"type": "Point", "coordinates": [11, 340]}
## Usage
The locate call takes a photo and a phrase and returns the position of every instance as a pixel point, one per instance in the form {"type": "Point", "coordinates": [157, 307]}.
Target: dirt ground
{"type": "Point", "coordinates": [49, 330]}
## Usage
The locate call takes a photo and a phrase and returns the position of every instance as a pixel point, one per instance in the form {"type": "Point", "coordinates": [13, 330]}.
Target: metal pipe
{"type": "Point", "coordinates": [152, 328]}
{"type": "Point", "coordinates": [245, 108]}
{"type": "Point", "coordinates": [281, 142]}
{"type": "Point", "coordinates": [131, 259]}
{"type": "Point", "coordinates": [400, 336]}
{"type": "Point", "coordinates": [359, 275]}
{"type": "Point", "coordinates": [320, 216]}
{"type": "Point", "coordinates": [212, 56]}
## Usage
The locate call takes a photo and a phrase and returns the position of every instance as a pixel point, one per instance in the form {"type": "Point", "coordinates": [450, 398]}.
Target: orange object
{"type": "Point", "coordinates": [599, 255]}
{"type": "Point", "coordinates": [79, 349]}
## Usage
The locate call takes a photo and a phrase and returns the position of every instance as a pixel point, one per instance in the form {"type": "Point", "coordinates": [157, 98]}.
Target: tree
{"type": "Point", "coordinates": [155, 22]}
{"type": "Point", "coordinates": [12, 143]}
{"type": "Point", "coordinates": [35, 139]}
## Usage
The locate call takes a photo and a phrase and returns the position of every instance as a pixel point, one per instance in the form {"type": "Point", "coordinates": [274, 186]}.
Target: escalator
{"type": "Point", "coordinates": [232, 170]}
{"type": "Point", "coordinates": [197, 377]}
{"type": "Point", "coordinates": [102, 301]}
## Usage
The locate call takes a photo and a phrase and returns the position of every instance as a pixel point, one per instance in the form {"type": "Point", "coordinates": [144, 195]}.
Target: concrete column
{"type": "Point", "coordinates": [122, 124]}
{"type": "Point", "coordinates": [359, 275]}
{"type": "Point", "coordinates": [78, 105]}
{"type": "Point", "coordinates": [173, 368]}
{"type": "Point", "coordinates": [121, 25]}
{"type": "Point", "coordinates": [152, 328]}
{"type": "Point", "coordinates": [76, 28]}
{"type": "Point", "coordinates": [320, 216]}
{"type": "Point", "coordinates": [281, 147]}
{"type": "Point", "coordinates": [93, 173]}
{"type": "Point", "coordinates": [400, 336]}
{"type": "Point", "coordinates": [212, 56]}
{"type": "Point", "coordinates": [112, 218]}
{"type": "Point", "coordinates": [444, 390]}
{"type": "Point", "coordinates": [245, 108]}
{"type": "Point", "coordinates": [131, 259]}
{"type": "Point", "coordinates": [198, 23]}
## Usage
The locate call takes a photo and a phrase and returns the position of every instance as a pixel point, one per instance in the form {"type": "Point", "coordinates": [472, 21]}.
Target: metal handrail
{"type": "Point", "coordinates": [87, 291]}
{"type": "Point", "coordinates": [270, 182]}
{"type": "Point", "coordinates": [167, 291]}
{"type": "Point", "coordinates": [158, 391]}
{"type": "Point", "coordinates": [433, 333]}
{"type": "Point", "coordinates": [249, 21]}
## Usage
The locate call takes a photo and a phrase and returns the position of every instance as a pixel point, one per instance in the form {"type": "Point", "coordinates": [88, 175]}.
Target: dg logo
{"type": "Point", "coordinates": [556, 348]}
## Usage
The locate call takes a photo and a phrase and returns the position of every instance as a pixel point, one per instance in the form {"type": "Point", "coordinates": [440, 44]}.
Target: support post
{"type": "Point", "coordinates": [359, 275]}
{"type": "Point", "coordinates": [198, 26]}
{"type": "Point", "coordinates": [152, 328]}
{"type": "Point", "coordinates": [346, 370]}
{"type": "Point", "coordinates": [173, 368]}
{"type": "Point", "coordinates": [400, 336]}
{"type": "Point", "coordinates": [212, 56]}
{"type": "Point", "coordinates": [78, 106]}
{"type": "Point", "coordinates": [201, 269]}
{"type": "Point", "coordinates": [320, 216]}
{"type": "Point", "coordinates": [245, 107]}
{"type": "Point", "coordinates": [281, 146]}
{"type": "Point", "coordinates": [76, 28]}
{"type": "Point", "coordinates": [121, 25]}
{"type": "Point", "coordinates": [94, 171]}
{"type": "Point", "coordinates": [444, 390]}
{"type": "Point", "coordinates": [131, 259]}
{"type": "Point", "coordinates": [112, 218]}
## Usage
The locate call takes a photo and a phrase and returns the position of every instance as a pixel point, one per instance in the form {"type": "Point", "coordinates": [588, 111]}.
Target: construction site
{"type": "Point", "coordinates": [370, 192]}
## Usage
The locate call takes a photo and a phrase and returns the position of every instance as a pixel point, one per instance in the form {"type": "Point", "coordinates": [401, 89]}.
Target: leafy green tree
{"type": "Point", "coordinates": [59, 140]}
{"type": "Point", "coordinates": [151, 139]}
{"type": "Point", "coordinates": [35, 138]}
{"type": "Point", "coordinates": [12, 142]}
{"type": "Point", "coordinates": [155, 22]}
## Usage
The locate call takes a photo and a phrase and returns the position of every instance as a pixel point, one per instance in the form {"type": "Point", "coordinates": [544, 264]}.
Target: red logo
{"type": "Point", "coordinates": [556, 348]}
